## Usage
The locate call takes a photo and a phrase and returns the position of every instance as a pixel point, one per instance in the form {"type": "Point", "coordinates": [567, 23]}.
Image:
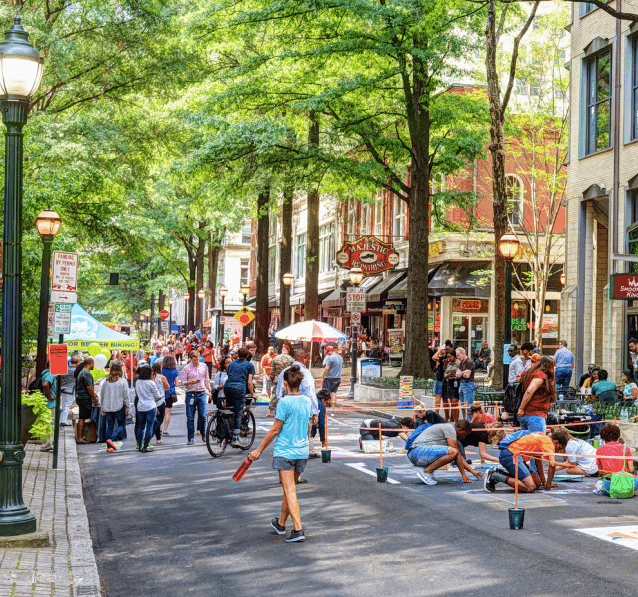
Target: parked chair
{"type": "Point", "coordinates": [608, 397]}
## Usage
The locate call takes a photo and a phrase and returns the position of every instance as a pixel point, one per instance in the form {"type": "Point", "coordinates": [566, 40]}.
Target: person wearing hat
{"type": "Point", "coordinates": [331, 377]}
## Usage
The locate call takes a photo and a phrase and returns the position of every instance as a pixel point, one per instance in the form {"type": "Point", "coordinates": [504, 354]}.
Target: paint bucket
{"type": "Point", "coordinates": [326, 455]}
{"type": "Point", "coordinates": [517, 516]}
{"type": "Point", "coordinates": [382, 474]}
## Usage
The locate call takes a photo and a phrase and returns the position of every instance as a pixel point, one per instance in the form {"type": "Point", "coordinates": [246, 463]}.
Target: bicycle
{"type": "Point", "coordinates": [219, 430]}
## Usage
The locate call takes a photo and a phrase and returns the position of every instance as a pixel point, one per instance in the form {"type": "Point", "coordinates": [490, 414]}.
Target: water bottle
{"type": "Point", "coordinates": [624, 414]}
{"type": "Point", "coordinates": [390, 446]}
{"type": "Point", "coordinates": [241, 471]}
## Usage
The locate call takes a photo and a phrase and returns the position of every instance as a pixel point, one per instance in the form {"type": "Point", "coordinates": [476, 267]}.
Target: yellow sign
{"type": "Point", "coordinates": [435, 249]}
{"type": "Point", "coordinates": [244, 316]}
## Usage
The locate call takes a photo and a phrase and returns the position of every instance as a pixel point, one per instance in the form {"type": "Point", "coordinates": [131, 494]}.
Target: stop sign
{"type": "Point", "coordinates": [164, 314]}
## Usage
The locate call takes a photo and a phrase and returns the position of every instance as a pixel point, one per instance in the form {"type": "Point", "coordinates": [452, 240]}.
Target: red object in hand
{"type": "Point", "coordinates": [241, 471]}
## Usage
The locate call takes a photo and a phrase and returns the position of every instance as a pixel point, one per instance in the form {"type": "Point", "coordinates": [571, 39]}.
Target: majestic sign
{"type": "Point", "coordinates": [369, 253]}
{"type": "Point", "coordinates": [624, 287]}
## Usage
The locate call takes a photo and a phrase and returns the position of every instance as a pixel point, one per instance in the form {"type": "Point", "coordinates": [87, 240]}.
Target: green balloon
{"type": "Point", "coordinates": [107, 353]}
{"type": "Point", "coordinates": [94, 349]}
{"type": "Point", "coordinates": [97, 374]}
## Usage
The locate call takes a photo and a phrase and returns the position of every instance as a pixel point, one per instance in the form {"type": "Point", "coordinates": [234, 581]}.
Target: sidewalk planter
{"type": "Point", "coordinates": [517, 517]}
{"type": "Point", "coordinates": [366, 393]}
{"type": "Point", "coordinates": [326, 455]}
{"type": "Point", "coordinates": [382, 474]}
{"type": "Point", "coordinates": [629, 432]}
{"type": "Point", "coordinates": [28, 419]}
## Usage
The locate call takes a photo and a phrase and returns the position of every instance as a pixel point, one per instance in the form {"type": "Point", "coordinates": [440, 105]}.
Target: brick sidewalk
{"type": "Point", "coordinates": [55, 498]}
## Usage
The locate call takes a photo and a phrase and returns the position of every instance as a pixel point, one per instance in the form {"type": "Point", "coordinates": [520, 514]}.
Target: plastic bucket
{"type": "Point", "coordinates": [517, 516]}
{"type": "Point", "coordinates": [382, 474]}
{"type": "Point", "coordinates": [326, 455]}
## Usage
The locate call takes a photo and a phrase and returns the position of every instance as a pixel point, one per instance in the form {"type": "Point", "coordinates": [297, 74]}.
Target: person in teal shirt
{"type": "Point", "coordinates": [604, 385]}
{"type": "Point", "coordinates": [290, 432]}
{"type": "Point", "coordinates": [49, 385]}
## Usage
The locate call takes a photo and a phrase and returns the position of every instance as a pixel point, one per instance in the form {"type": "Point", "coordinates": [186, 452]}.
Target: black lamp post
{"type": "Point", "coordinates": [200, 295]}
{"type": "Point", "coordinates": [187, 297]}
{"type": "Point", "coordinates": [170, 316]}
{"type": "Point", "coordinates": [356, 275]}
{"type": "Point", "coordinates": [245, 289]}
{"type": "Point", "coordinates": [508, 248]}
{"type": "Point", "coordinates": [222, 293]}
{"type": "Point", "coordinates": [287, 279]}
{"type": "Point", "coordinates": [20, 76]}
{"type": "Point", "coordinates": [48, 225]}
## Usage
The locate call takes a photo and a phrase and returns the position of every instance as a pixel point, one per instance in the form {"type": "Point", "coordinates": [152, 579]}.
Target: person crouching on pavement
{"type": "Point", "coordinates": [437, 446]}
{"type": "Point", "coordinates": [290, 454]}
{"type": "Point", "coordinates": [369, 429]}
{"type": "Point", "coordinates": [581, 459]}
{"type": "Point", "coordinates": [523, 445]}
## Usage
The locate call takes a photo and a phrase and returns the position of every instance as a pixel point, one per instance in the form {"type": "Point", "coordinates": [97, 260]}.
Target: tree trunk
{"type": "Point", "coordinates": [161, 297]}
{"type": "Point", "coordinates": [199, 261]}
{"type": "Point", "coordinates": [213, 258]}
{"type": "Point", "coordinates": [192, 276]}
{"type": "Point", "coordinates": [285, 256]}
{"type": "Point", "coordinates": [312, 238]}
{"type": "Point", "coordinates": [261, 301]}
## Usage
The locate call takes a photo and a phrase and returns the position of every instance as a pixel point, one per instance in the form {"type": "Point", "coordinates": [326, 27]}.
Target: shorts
{"type": "Point", "coordinates": [506, 458]}
{"type": "Point", "coordinates": [268, 385]}
{"type": "Point", "coordinates": [438, 388]}
{"type": "Point", "coordinates": [85, 407]}
{"type": "Point", "coordinates": [424, 456]}
{"type": "Point", "coordinates": [170, 399]}
{"type": "Point", "coordinates": [285, 464]}
{"type": "Point", "coordinates": [331, 384]}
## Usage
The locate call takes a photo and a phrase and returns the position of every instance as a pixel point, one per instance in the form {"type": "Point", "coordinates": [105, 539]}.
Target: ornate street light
{"type": "Point", "coordinates": [200, 295]}
{"type": "Point", "coordinates": [222, 293]}
{"type": "Point", "coordinates": [20, 75]}
{"type": "Point", "coordinates": [563, 279]}
{"type": "Point", "coordinates": [287, 280]}
{"type": "Point", "coordinates": [170, 316]}
{"type": "Point", "coordinates": [356, 275]}
{"type": "Point", "coordinates": [508, 247]}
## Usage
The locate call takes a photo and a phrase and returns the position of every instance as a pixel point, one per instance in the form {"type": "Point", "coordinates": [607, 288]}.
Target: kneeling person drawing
{"type": "Point", "coordinates": [523, 445]}
{"type": "Point", "coordinates": [436, 446]}
{"type": "Point", "coordinates": [290, 454]}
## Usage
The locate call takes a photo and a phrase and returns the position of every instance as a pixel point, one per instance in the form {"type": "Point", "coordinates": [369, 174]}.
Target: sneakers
{"type": "Point", "coordinates": [427, 478]}
{"type": "Point", "coordinates": [489, 484]}
{"type": "Point", "coordinates": [149, 448]}
{"type": "Point", "coordinates": [191, 442]}
{"type": "Point", "coordinates": [235, 442]}
{"type": "Point", "coordinates": [165, 433]}
{"type": "Point", "coordinates": [274, 523]}
{"type": "Point", "coordinates": [295, 536]}
{"type": "Point", "coordinates": [137, 448]}
{"type": "Point", "coordinates": [111, 445]}
{"type": "Point", "coordinates": [110, 449]}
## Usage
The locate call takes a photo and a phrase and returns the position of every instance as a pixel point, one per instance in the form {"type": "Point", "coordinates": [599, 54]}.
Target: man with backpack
{"type": "Point", "coordinates": [85, 396]}
{"type": "Point", "coordinates": [49, 389]}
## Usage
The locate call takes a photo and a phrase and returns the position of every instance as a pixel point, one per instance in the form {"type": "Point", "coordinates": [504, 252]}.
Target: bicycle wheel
{"type": "Point", "coordinates": [216, 445]}
{"type": "Point", "coordinates": [248, 430]}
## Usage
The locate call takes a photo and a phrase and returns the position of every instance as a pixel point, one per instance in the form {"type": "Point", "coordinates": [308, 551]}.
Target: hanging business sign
{"type": "Point", "coordinates": [64, 272]}
{"type": "Point", "coordinates": [370, 254]}
{"type": "Point", "coordinates": [624, 287]}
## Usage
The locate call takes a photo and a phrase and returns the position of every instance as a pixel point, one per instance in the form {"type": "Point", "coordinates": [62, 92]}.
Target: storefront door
{"type": "Point", "coordinates": [470, 331]}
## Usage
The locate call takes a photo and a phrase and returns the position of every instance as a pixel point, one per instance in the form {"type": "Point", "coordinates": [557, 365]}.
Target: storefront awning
{"type": "Point", "coordinates": [400, 291]}
{"type": "Point", "coordinates": [335, 299]}
{"type": "Point", "coordinates": [378, 292]}
{"type": "Point", "coordinates": [461, 279]}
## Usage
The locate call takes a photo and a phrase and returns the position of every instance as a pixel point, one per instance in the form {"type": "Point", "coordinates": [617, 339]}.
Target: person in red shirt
{"type": "Point", "coordinates": [266, 365]}
{"type": "Point", "coordinates": [127, 364]}
{"type": "Point", "coordinates": [610, 434]}
{"type": "Point", "coordinates": [209, 357]}
{"type": "Point", "coordinates": [540, 392]}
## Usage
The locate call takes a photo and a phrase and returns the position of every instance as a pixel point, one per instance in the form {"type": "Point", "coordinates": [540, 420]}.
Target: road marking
{"type": "Point", "coordinates": [627, 536]}
{"type": "Point", "coordinates": [360, 466]}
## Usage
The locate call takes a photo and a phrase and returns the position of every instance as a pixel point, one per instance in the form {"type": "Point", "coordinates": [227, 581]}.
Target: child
{"type": "Point", "coordinates": [323, 399]}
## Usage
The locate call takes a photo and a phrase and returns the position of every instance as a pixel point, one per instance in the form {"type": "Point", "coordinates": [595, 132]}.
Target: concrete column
{"type": "Point", "coordinates": [446, 318]}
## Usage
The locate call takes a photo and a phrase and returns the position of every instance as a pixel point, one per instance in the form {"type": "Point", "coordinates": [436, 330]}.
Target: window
{"type": "Point", "coordinates": [514, 193]}
{"type": "Point", "coordinates": [272, 223]}
{"type": "Point", "coordinates": [300, 260]}
{"type": "Point", "coordinates": [350, 218]}
{"type": "Point", "coordinates": [634, 87]}
{"type": "Point", "coordinates": [439, 183]}
{"type": "Point", "coordinates": [272, 264]}
{"type": "Point", "coordinates": [243, 274]}
{"type": "Point", "coordinates": [327, 248]}
{"type": "Point", "coordinates": [378, 216]}
{"type": "Point", "coordinates": [437, 204]}
{"type": "Point", "coordinates": [399, 218]}
{"type": "Point", "coordinates": [364, 227]}
{"type": "Point", "coordinates": [598, 102]}
{"type": "Point", "coordinates": [535, 89]}
{"type": "Point", "coordinates": [632, 229]}
{"type": "Point", "coordinates": [521, 87]}
{"type": "Point", "coordinates": [245, 234]}
{"type": "Point", "coordinates": [586, 8]}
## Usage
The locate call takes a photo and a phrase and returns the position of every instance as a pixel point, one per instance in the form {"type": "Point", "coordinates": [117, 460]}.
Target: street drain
{"type": "Point", "coordinates": [610, 502]}
{"type": "Point", "coordinates": [86, 591]}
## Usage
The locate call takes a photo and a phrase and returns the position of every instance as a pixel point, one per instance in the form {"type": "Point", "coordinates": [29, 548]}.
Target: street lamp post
{"type": "Point", "coordinates": [508, 247]}
{"type": "Point", "coordinates": [200, 295]}
{"type": "Point", "coordinates": [287, 279]}
{"type": "Point", "coordinates": [170, 316]}
{"type": "Point", "coordinates": [356, 275]}
{"type": "Point", "coordinates": [222, 293]}
{"type": "Point", "coordinates": [20, 76]}
{"type": "Point", "coordinates": [48, 225]}
{"type": "Point", "coordinates": [245, 289]}
{"type": "Point", "coordinates": [187, 297]}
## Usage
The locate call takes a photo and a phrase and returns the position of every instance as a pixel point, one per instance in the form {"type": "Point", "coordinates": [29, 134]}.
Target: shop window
{"type": "Point", "coordinates": [300, 260]}
{"type": "Point", "coordinates": [326, 247]}
{"type": "Point", "coordinates": [514, 193]}
{"type": "Point", "coordinates": [597, 70]}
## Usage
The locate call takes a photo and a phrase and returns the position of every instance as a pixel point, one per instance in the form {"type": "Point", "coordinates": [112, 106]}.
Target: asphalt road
{"type": "Point", "coordinates": [173, 523]}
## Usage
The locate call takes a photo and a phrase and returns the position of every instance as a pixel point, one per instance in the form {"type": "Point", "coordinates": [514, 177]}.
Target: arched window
{"type": "Point", "coordinates": [514, 193]}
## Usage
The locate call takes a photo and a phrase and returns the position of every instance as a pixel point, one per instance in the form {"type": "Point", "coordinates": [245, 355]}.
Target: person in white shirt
{"type": "Point", "coordinates": [516, 364]}
{"type": "Point", "coordinates": [581, 457]}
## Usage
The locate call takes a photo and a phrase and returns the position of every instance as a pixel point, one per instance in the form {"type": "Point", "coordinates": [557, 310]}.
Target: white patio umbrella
{"type": "Point", "coordinates": [311, 331]}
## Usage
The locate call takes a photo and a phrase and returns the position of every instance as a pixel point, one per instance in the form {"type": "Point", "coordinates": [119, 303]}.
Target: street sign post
{"type": "Point", "coordinates": [164, 326]}
{"type": "Point", "coordinates": [244, 316]}
{"type": "Point", "coordinates": [58, 355]}
{"type": "Point", "coordinates": [356, 301]}
{"type": "Point", "coordinates": [59, 296]}
{"type": "Point", "coordinates": [164, 314]}
{"type": "Point", "coordinates": [64, 275]}
{"type": "Point", "coordinates": [62, 319]}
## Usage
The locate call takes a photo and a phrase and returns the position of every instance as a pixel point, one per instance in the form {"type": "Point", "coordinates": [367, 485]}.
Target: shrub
{"type": "Point", "coordinates": [42, 428]}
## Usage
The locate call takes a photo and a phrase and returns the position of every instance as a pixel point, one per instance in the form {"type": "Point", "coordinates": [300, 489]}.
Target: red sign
{"type": "Point", "coordinates": [64, 275]}
{"type": "Point", "coordinates": [469, 305]}
{"type": "Point", "coordinates": [164, 314]}
{"type": "Point", "coordinates": [58, 355]}
{"type": "Point", "coordinates": [370, 254]}
{"type": "Point", "coordinates": [624, 287]}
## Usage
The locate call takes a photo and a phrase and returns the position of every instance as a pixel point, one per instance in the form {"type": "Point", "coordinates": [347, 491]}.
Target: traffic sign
{"type": "Point", "coordinates": [57, 296]}
{"type": "Point", "coordinates": [165, 326]}
{"type": "Point", "coordinates": [58, 354]}
{"type": "Point", "coordinates": [244, 316]}
{"type": "Point", "coordinates": [164, 314]}
{"type": "Point", "coordinates": [64, 276]}
{"type": "Point", "coordinates": [356, 301]}
{"type": "Point", "coordinates": [62, 318]}
{"type": "Point", "coordinates": [355, 317]}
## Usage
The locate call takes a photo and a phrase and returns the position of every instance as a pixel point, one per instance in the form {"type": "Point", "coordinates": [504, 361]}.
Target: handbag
{"type": "Point", "coordinates": [622, 485]}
